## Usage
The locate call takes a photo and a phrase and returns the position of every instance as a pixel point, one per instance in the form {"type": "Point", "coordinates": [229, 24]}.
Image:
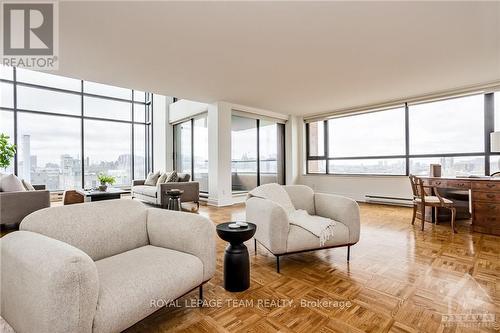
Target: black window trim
{"type": "Point", "coordinates": [489, 126]}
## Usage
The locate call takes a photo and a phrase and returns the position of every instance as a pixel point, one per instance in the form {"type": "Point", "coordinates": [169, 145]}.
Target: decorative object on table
{"type": "Point", "coordinates": [174, 199]}
{"type": "Point", "coordinates": [495, 142]}
{"type": "Point", "coordinates": [105, 180]}
{"type": "Point", "coordinates": [435, 170]}
{"type": "Point", "coordinates": [236, 260]}
{"type": "Point", "coordinates": [281, 236]}
{"type": "Point", "coordinates": [7, 151]}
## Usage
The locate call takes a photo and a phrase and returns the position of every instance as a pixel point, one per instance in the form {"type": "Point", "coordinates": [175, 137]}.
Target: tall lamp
{"type": "Point", "coordinates": [495, 146]}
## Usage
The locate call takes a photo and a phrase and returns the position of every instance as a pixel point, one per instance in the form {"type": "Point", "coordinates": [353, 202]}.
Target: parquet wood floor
{"type": "Point", "coordinates": [399, 279]}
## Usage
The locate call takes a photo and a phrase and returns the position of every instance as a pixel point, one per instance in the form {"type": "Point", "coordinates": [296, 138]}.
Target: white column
{"type": "Point", "coordinates": [162, 134]}
{"type": "Point", "coordinates": [219, 154]}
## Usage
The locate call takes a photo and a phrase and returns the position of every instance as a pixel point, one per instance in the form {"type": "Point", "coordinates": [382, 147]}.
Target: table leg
{"type": "Point", "coordinates": [236, 268]}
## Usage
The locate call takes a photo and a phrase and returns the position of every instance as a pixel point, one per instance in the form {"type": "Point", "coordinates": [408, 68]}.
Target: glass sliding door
{"type": "Point", "coordinates": [258, 153]}
{"type": "Point", "coordinates": [183, 153]}
{"type": "Point", "coordinates": [243, 153]}
{"type": "Point", "coordinates": [271, 152]}
{"type": "Point", "coordinates": [200, 151]}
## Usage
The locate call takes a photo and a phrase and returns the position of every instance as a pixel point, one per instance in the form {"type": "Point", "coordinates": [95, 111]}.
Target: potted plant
{"type": "Point", "coordinates": [7, 151]}
{"type": "Point", "coordinates": [104, 180]}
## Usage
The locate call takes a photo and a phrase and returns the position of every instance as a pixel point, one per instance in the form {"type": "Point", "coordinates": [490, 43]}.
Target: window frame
{"type": "Point", "coordinates": [148, 123]}
{"type": "Point", "coordinates": [489, 126]}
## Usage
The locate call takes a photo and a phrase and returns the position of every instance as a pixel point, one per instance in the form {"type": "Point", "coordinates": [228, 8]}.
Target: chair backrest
{"type": "Point", "coordinates": [100, 229]}
{"type": "Point", "coordinates": [71, 197]}
{"type": "Point", "coordinates": [302, 197]}
{"type": "Point", "coordinates": [417, 187]}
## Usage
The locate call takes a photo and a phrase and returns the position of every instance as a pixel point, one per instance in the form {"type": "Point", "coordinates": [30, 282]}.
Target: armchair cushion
{"type": "Point", "coordinates": [161, 274]}
{"type": "Point", "coordinates": [300, 239]}
{"type": "Point", "coordinates": [47, 286]}
{"type": "Point", "coordinates": [302, 197]}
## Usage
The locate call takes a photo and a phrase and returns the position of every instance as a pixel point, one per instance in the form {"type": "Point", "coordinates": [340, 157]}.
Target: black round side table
{"type": "Point", "coordinates": [236, 261]}
{"type": "Point", "coordinates": [174, 199]}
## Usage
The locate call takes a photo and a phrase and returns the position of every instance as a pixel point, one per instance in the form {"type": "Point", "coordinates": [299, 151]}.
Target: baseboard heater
{"type": "Point", "coordinates": [388, 200]}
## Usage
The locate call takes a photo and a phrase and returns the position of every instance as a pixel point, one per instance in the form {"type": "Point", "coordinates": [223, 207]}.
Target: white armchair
{"type": "Point", "coordinates": [277, 235]}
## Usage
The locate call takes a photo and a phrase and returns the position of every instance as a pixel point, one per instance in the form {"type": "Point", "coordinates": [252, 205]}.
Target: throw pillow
{"type": "Point", "coordinates": [27, 185]}
{"type": "Point", "coordinates": [172, 177]}
{"type": "Point", "coordinates": [152, 178]}
{"type": "Point", "coordinates": [162, 178]}
{"type": "Point", "coordinates": [11, 183]}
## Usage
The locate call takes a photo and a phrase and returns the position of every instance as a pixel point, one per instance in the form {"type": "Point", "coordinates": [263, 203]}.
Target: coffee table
{"type": "Point", "coordinates": [236, 260]}
{"type": "Point", "coordinates": [96, 195]}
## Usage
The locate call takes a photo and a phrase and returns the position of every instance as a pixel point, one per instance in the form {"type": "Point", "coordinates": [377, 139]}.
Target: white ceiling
{"type": "Point", "coordinates": [289, 57]}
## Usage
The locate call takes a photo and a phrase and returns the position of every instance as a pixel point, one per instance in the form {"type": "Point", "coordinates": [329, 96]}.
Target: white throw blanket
{"type": "Point", "coordinates": [319, 226]}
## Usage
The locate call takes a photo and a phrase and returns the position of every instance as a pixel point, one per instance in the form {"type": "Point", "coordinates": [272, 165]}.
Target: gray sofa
{"type": "Point", "coordinates": [157, 194]}
{"type": "Point", "coordinates": [14, 206]}
{"type": "Point", "coordinates": [279, 237]}
{"type": "Point", "coordinates": [102, 266]}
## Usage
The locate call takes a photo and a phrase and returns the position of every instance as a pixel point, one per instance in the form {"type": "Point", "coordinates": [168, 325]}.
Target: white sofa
{"type": "Point", "coordinates": [277, 235]}
{"type": "Point", "coordinates": [97, 267]}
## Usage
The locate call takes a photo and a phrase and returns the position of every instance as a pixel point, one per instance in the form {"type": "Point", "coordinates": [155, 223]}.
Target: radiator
{"type": "Point", "coordinates": [371, 198]}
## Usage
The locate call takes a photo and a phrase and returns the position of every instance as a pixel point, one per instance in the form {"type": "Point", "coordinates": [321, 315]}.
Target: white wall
{"type": "Point", "coordinates": [162, 134]}
{"type": "Point", "coordinates": [356, 187]}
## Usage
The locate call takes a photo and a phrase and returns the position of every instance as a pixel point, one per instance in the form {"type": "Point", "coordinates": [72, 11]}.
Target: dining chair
{"type": "Point", "coordinates": [428, 196]}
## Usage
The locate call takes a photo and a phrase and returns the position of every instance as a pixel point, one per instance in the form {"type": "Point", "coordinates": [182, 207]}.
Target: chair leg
{"type": "Point", "coordinates": [277, 264]}
{"type": "Point", "coordinates": [422, 212]}
{"type": "Point", "coordinates": [200, 295]}
{"type": "Point", "coordinates": [414, 214]}
{"type": "Point", "coordinates": [348, 252]}
{"type": "Point", "coordinates": [453, 216]}
{"type": "Point", "coordinates": [255, 246]}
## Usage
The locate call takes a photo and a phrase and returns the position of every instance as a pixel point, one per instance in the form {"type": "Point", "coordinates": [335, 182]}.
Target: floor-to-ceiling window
{"type": "Point", "coordinates": [257, 153]}
{"type": "Point", "coordinates": [407, 139]}
{"type": "Point", "coordinates": [67, 131]}
{"type": "Point", "coordinates": [191, 149]}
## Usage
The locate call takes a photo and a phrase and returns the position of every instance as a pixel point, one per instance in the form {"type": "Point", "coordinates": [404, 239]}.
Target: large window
{"type": "Point", "coordinates": [407, 140]}
{"type": "Point", "coordinates": [191, 149]}
{"type": "Point", "coordinates": [257, 153]}
{"type": "Point", "coordinates": [64, 144]}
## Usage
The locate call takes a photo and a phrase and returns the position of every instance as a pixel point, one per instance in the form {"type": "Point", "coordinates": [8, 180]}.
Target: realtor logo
{"type": "Point", "coordinates": [29, 34]}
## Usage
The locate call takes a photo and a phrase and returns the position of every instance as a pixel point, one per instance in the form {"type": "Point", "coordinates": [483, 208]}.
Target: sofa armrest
{"type": "Point", "coordinates": [15, 206]}
{"type": "Point", "coordinates": [341, 209]}
{"type": "Point", "coordinates": [47, 286]}
{"type": "Point", "coordinates": [272, 223]}
{"type": "Point", "coordinates": [191, 190]}
{"type": "Point", "coordinates": [184, 232]}
{"type": "Point", "coordinates": [136, 182]}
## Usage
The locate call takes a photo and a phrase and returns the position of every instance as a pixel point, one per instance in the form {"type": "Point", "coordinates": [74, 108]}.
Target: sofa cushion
{"type": "Point", "coordinates": [152, 178]}
{"type": "Point", "coordinates": [172, 177]}
{"type": "Point", "coordinates": [100, 229]}
{"type": "Point", "coordinates": [27, 185]}
{"type": "Point", "coordinates": [183, 177]}
{"type": "Point", "coordinates": [130, 281]}
{"type": "Point", "coordinates": [10, 183]}
{"type": "Point", "coordinates": [162, 178]}
{"type": "Point", "coordinates": [300, 239]}
{"type": "Point", "coordinates": [150, 191]}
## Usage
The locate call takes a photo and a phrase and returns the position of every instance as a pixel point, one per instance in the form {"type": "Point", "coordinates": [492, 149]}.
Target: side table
{"type": "Point", "coordinates": [236, 260]}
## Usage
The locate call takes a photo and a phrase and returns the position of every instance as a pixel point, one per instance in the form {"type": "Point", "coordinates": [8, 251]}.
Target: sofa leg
{"type": "Point", "coordinates": [348, 252]}
{"type": "Point", "coordinates": [277, 264]}
{"type": "Point", "coordinates": [200, 295]}
{"type": "Point", "coordinates": [255, 246]}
